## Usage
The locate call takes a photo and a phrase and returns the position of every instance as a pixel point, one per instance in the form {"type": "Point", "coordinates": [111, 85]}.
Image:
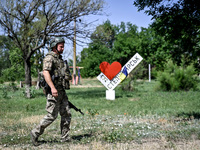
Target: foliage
{"type": "Point", "coordinates": [153, 48]}
{"type": "Point", "coordinates": [99, 50]}
{"type": "Point", "coordinates": [29, 24]}
{"type": "Point", "coordinates": [104, 34]}
{"type": "Point", "coordinates": [6, 88]}
{"type": "Point", "coordinates": [37, 62]}
{"type": "Point", "coordinates": [94, 55]}
{"type": "Point", "coordinates": [16, 71]}
{"type": "Point", "coordinates": [178, 21]}
{"type": "Point", "coordinates": [125, 45]}
{"type": "Point", "coordinates": [11, 60]}
{"type": "Point", "coordinates": [119, 44]}
{"type": "Point", "coordinates": [125, 42]}
{"type": "Point", "coordinates": [5, 45]}
{"type": "Point", "coordinates": [92, 112]}
{"type": "Point", "coordinates": [175, 78]}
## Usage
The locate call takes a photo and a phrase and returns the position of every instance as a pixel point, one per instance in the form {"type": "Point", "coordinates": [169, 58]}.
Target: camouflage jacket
{"type": "Point", "coordinates": [57, 68]}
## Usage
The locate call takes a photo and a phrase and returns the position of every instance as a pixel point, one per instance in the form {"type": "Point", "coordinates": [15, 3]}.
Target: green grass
{"type": "Point", "coordinates": [143, 101]}
{"type": "Point", "coordinates": [133, 116]}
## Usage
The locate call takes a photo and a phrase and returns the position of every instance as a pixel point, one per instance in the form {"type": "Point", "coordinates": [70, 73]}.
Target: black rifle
{"type": "Point", "coordinates": [75, 108]}
{"type": "Point", "coordinates": [48, 90]}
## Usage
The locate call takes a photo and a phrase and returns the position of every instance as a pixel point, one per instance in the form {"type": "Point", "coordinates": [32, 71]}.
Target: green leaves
{"type": "Point", "coordinates": [175, 78]}
{"type": "Point", "coordinates": [119, 43]}
{"type": "Point", "coordinates": [178, 22]}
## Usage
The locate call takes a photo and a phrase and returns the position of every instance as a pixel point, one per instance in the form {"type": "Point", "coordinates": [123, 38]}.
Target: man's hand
{"type": "Point", "coordinates": [54, 92]}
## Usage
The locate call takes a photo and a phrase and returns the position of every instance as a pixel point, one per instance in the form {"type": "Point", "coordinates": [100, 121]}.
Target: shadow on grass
{"type": "Point", "coordinates": [89, 93]}
{"type": "Point", "coordinates": [121, 95]}
{"type": "Point", "coordinates": [194, 115]}
{"type": "Point", "coordinates": [45, 142]}
{"type": "Point", "coordinates": [76, 138]}
{"type": "Point", "coordinates": [79, 137]}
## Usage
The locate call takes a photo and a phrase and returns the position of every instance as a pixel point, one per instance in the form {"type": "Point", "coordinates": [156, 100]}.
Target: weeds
{"type": "Point", "coordinates": [4, 92]}
{"type": "Point", "coordinates": [173, 116]}
{"type": "Point", "coordinates": [92, 112]}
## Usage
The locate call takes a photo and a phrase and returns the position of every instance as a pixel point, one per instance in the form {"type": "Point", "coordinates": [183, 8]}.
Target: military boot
{"type": "Point", "coordinates": [67, 139]}
{"type": "Point", "coordinates": [34, 139]}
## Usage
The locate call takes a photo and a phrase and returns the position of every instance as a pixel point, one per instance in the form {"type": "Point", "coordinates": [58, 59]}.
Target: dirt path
{"type": "Point", "coordinates": [145, 145]}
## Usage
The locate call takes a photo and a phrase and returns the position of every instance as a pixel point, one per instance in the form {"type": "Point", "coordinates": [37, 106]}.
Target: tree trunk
{"type": "Point", "coordinates": [27, 64]}
{"type": "Point", "coordinates": [37, 86]}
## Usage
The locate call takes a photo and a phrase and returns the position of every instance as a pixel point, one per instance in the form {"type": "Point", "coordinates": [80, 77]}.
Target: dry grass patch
{"type": "Point", "coordinates": [134, 99]}
{"type": "Point", "coordinates": [32, 119]}
{"type": "Point", "coordinates": [146, 145]}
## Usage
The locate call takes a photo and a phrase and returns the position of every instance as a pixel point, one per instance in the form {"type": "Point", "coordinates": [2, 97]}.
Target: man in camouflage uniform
{"type": "Point", "coordinates": [57, 100]}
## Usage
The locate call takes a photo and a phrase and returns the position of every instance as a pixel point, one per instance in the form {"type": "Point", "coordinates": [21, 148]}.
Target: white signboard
{"type": "Point", "coordinates": [130, 65]}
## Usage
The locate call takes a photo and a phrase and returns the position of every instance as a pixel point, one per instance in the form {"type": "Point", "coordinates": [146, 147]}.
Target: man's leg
{"type": "Point", "coordinates": [65, 118]}
{"type": "Point", "coordinates": [52, 108]}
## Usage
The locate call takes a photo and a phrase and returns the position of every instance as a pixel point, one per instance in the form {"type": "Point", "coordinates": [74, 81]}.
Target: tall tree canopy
{"type": "Point", "coordinates": [179, 22]}
{"type": "Point", "coordinates": [99, 49]}
{"type": "Point", "coordinates": [153, 48]}
{"type": "Point", "coordinates": [126, 42]}
{"type": "Point", "coordinates": [30, 23]}
{"type": "Point", "coordinates": [119, 43]}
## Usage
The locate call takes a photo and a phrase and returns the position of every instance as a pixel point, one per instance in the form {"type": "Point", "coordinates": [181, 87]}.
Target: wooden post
{"type": "Point", "coordinates": [74, 62]}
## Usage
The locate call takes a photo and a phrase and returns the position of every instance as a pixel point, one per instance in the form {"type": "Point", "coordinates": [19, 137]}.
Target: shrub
{"type": "Point", "coordinates": [175, 78]}
{"type": "Point", "coordinates": [14, 73]}
{"type": "Point", "coordinates": [140, 72]}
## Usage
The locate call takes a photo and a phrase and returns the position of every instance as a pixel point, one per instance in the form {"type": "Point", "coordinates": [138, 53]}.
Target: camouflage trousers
{"type": "Point", "coordinates": [54, 106]}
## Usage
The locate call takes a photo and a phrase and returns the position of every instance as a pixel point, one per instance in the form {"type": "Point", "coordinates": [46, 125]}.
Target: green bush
{"type": "Point", "coordinates": [175, 78]}
{"type": "Point", "coordinates": [14, 73]}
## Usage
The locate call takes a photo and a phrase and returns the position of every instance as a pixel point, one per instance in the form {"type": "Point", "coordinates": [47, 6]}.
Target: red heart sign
{"type": "Point", "coordinates": [110, 71]}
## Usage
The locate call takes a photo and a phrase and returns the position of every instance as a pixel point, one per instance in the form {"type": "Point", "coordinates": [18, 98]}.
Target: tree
{"type": "Point", "coordinates": [96, 53]}
{"type": "Point", "coordinates": [109, 43]}
{"type": "Point", "coordinates": [30, 23]}
{"type": "Point", "coordinates": [119, 43]}
{"type": "Point", "coordinates": [99, 49]}
{"type": "Point", "coordinates": [104, 34]}
{"type": "Point", "coordinates": [126, 42]}
{"type": "Point", "coordinates": [16, 70]}
{"type": "Point", "coordinates": [37, 62]}
{"type": "Point", "coordinates": [4, 53]}
{"type": "Point", "coordinates": [179, 22]}
{"type": "Point", "coordinates": [153, 48]}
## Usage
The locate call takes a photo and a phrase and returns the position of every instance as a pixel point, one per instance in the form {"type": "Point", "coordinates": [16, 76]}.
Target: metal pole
{"type": "Point", "coordinates": [74, 44]}
{"type": "Point", "coordinates": [149, 72]}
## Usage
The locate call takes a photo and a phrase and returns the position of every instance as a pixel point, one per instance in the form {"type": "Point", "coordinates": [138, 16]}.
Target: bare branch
{"type": "Point", "coordinates": [30, 23]}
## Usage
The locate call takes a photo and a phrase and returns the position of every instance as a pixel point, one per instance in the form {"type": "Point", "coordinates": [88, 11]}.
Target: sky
{"type": "Point", "coordinates": [119, 11]}
{"type": "Point", "coordinates": [124, 10]}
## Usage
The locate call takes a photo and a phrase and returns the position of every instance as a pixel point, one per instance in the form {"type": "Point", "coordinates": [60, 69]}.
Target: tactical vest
{"type": "Point", "coordinates": [60, 72]}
